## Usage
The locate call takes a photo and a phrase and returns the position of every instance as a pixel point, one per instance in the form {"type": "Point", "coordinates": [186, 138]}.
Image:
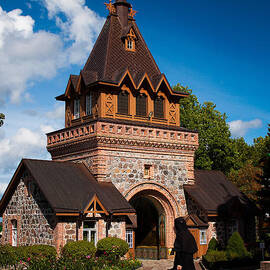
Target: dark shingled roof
{"type": "Point", "coordinates": [68, 187]}
{"type": "Point", "coordinates": [109, 57]}
{"type": "Point", "coordinates": [212, 191]}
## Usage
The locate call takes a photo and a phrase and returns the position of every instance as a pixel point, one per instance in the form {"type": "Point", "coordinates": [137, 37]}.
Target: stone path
{"type": "Point", "coordinates": [161, 265]}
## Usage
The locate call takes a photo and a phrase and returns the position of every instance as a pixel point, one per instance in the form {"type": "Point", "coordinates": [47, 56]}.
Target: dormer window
{"type": "Point", "coordinates": [76, 108]}
{"type": "Point", "coordinates": [130, 41]}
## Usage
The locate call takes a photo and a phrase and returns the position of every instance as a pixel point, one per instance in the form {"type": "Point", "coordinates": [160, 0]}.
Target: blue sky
{"type": "Point", "coordinates": [220, 49]}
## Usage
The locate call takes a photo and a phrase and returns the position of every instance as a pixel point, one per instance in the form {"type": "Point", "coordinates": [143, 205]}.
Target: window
{"type": "Point", "coordinates": [141, 105]}
{"type": "Point", "coordinates": [148, 171]}
{"type": "Point", "coordinates": [203, 240]}
{"type": "Point", "coordinates": [130, 41]}
{"type": "Point", "coordinates": [76, 108]}
{"type": "Point", "coordinates": [88, 104]}
{"type": "Point", "coordinates": [90, 231]}
{"type": "Point", "coordinates": [123, 102]}
{"type": "Point", "coordinates": [159, 107]}
{"type": "Point", "coordinates": [14, 233]}
{"type": "Point", "coordinates": [129, 238]}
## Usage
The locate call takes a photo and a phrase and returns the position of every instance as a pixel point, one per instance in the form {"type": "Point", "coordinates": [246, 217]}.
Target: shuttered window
{"type": "Point", "coordinates": [141, 101]}
{"type": "Point", "coordinates": [159, 107]}
{"type": "Point", "coordinates": [123, 102]}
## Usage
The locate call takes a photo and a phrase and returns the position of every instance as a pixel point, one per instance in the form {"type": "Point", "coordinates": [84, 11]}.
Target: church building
{"type": "Point", "coordinates": [122, 165]}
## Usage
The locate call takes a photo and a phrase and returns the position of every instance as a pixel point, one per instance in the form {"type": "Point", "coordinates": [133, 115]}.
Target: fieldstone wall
{"type": "Point", "coordinates": [35, 218]}
{"type": "Point", "coordinates": [125, 169]}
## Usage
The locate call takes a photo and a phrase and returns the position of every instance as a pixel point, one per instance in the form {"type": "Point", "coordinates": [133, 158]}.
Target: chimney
{"type": "Point", "coordinates": [122, 9]}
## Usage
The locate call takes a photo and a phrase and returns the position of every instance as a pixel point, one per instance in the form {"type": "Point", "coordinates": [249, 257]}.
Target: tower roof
{"type": "Point", "coordinates": [110, 61]}
{"type": "Point", "coordinates": [109, 58]}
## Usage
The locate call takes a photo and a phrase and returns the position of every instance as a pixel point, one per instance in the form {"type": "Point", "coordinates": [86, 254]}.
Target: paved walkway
{"type": "Point", "coordinates": [160, 265]}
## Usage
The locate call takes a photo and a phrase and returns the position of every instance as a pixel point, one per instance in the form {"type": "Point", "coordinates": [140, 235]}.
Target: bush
{"type": "Point", "coordinates": [79, 250]}
{"type": "Point", "coordinates": [40, 257]}
{"type": "Point", "coordinates": [112, 246]}
{"type": "Point", "coordinates": [236, 248]}
{"type": "Point", "coordinates": [8, 256]}
{"type": "Point", "coordinates": [213, 244]}
{"type": "Point", "coordinates": [214, 258]}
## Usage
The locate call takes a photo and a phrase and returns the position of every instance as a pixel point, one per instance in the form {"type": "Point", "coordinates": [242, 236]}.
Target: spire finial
{"type": "Point", "coordinates": [132, 12]}
{"type": "Point", "coordinates": [110, 7]}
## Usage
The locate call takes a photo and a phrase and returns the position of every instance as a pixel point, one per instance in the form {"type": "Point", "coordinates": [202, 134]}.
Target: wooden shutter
{"type": "Point", "coordinates": [123, 102]}
{"type": "Point", "coordinates": [141, 105]}
{"type": "Point", "coordinates": [159, 107]}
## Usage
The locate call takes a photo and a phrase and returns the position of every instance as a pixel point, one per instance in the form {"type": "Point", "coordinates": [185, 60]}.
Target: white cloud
{"type": "Point", "coordinates": [239, 128]}
{"type": "Point", "coordinates": [25, 143]}
{"type": "Point", "coordinates": [27, 56]}
{"type": "Point", "coordinates": [57, 113]}
{"type": "Point", "coordinates": [82, 25]}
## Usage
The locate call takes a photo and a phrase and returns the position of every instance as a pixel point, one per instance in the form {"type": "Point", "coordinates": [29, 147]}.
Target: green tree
{"type": "Point", "coordinates": [248, 180]}
{"type": "Point", "coordinates": [2, 118]}
{"type": "Point", "coordinates": [217, 150]}
{"type": "Point", "coordinates": [265, 164]}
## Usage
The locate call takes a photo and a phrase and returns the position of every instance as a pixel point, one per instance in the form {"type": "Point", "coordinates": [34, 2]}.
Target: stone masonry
{"type": "Point", "coordinates": [35, 218]}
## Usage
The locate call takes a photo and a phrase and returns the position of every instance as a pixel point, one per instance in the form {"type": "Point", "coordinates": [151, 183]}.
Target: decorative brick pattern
{"type": "Point", "coordinates": [35, 218]}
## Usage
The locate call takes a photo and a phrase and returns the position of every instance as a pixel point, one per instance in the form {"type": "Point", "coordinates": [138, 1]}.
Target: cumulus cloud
{"type": "Point", "coordinates": [57, 113]}
{"type": "Point", "coordinates": [25, 143]}
{"type": "Point", "coordinates": [27, 55]}
{"type": "Point", "coordinates": [81, 25]}
{"type": "Point", "coordinates": [239, 128]}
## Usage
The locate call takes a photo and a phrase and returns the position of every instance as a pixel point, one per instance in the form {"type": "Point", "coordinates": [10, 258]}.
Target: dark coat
{"type": "Point", "coordinates": [184, 245]}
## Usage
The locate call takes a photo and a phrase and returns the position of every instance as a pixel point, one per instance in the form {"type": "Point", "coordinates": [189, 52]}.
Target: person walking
{"type": "Point", "coordinates": [184, 246]}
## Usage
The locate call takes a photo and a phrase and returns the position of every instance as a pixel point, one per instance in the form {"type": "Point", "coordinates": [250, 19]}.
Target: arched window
{"type": "Point", "coordinates": [141, 105]}
{"type": "Point", "coordinates": [159, 107]}
{"type": "Point", "coordinates": [14, 233]}
{"type": "Point", "coordinates": [123, 102]}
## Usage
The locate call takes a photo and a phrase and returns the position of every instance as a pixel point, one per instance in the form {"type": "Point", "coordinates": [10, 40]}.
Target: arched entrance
{"type": "Point", "coordinates": [150, 235]}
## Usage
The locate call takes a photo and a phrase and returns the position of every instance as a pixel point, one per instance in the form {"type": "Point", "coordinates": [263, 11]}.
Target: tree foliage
{"type": "Point", "coordinates": [265, 165]}
{"type": "Point", "coordinates": [217, 150]}
{"type": "Point", "coordinates": [2, 118]}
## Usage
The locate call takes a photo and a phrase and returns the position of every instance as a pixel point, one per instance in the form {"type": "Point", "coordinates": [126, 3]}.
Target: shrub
{"type": "Point", "coordinates": [213, 244]}
{"type": "Point", "coordinates": [112, 246]}
{"type": "Point", "coordinates": [216, 256]}
{"type": "Point", "coordinates": [40, 257]}
{"type": "Point", "coordinates": [236, 247]}
{"type": "Point", "coordinates": [79, 250]}
{"type": "Point", "coordinates": [8, 256]}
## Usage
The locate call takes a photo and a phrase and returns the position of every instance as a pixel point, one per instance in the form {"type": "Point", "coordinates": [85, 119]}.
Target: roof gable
{"type": "Point", "coordinates": [68, 187]}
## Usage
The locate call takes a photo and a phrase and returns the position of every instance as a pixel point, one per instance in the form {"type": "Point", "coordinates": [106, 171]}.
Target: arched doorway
{"type": "Point", "coordinates": [150, 235]}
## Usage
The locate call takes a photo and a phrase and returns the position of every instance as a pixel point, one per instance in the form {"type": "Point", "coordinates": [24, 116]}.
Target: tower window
{"type": "Point", "coordinates": [159, 107]}
{"type": "Point", "coordinates": [88, 104]}
{"type": "Point", "coordinates": [123, 102]}
{"type": "Point", "coordinates": [130, 41]}
{"type": "Point", "coordinates": [141, 108]}
{"type": "Point", "coordinates": [76, 108]}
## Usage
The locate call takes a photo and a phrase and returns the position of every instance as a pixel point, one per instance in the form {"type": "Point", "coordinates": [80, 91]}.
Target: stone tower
{"type": "Point", "coordinates": [122, 119]}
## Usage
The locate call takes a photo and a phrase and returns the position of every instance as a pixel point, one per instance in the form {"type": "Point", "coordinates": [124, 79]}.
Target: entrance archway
{"type": "Point", "coordinates": [154, 216]}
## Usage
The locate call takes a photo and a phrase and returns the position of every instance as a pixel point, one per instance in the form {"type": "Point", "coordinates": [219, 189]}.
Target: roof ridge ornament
{"type": "Point", "coordinates": [132, 13]}
{"type": "Point", "coordinates": [110, 7]}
